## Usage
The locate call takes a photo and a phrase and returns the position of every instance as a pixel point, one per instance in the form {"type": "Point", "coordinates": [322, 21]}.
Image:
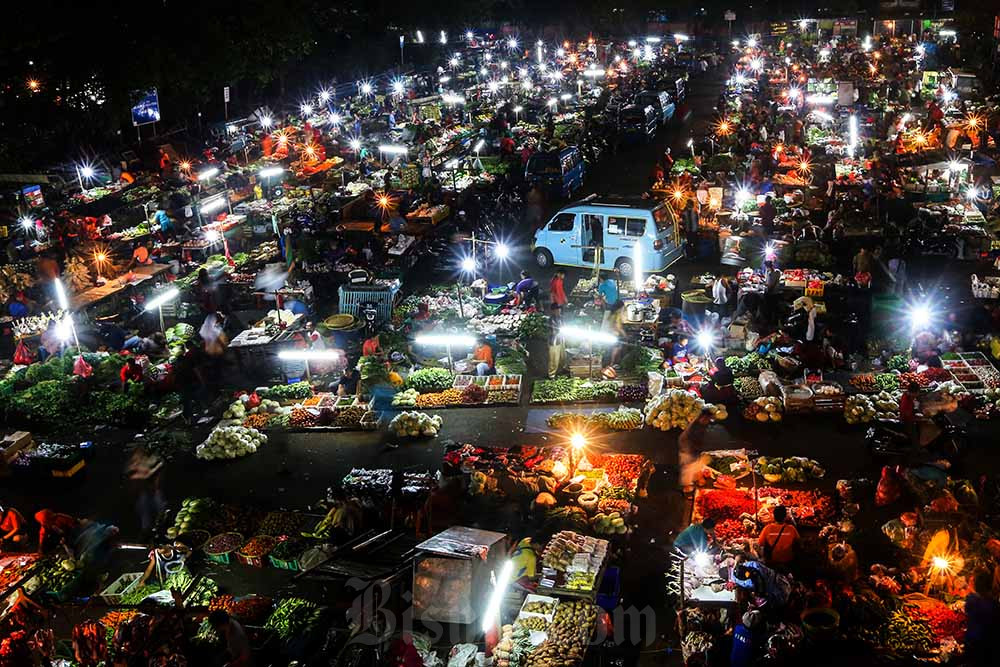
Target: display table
{"type": "Point", "coordinates": [95, 295]}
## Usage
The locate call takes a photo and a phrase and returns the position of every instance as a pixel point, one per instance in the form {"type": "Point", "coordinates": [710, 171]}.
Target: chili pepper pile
{"type": "Point", "coordinates": [251, 610]}
{"type": "Point", "coordinates": [722, 504]}
{"type": "Point", "coordinates": [15, 649]}
{"type": "Point", "coordinates": [810, 508]}
{"type": "Point", "coordinates": [944, 622]}
{"type": "Point", "coordinates": [729, 529]}
{"type": "Point", "coordinates": [623, 469]}
{"type": "Point", "coordinates": [937, 374]}
{"type": "Point", "coordinates": [906, 378]}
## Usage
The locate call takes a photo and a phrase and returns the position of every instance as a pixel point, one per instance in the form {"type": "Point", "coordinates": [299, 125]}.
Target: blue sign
{"type": "Point", "coordinates": [147, 109]}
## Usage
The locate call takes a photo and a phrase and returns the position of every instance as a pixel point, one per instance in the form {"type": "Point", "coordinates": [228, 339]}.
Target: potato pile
{"type": "Point", "coordinates": [569, 633]}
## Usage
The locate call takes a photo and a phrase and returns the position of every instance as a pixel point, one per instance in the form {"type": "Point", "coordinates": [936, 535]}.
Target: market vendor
{"type": "Point", "coordinates": [769, 587]}
{"type": "Point", "coordinates": [55, 526]}
{"type": "Point", "coordinates": [526, 290]}
{"type": "Point", "coordinates": [235, 637]}
{"type": "Point", "coordinates": [347, 385]}
{"type": "Point", "coordinates": [482, 354]}
{"type": "Point", "coordinates": [778, 540]}
{"type": "Point", "coordinates": [13, 530]}
{"type": "Point", "coordinates": [696, 537]}
{"type": "Point", "coordinates": [164, 561]}
{"type": "Point", "coordinates": [689, 446]}
{"type": "Point", "coordinates": [719, 387]}
{"type": "Point", "coordinates": [131, 371]}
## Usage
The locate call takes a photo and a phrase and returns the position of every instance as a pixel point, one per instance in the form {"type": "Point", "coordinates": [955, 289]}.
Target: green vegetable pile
{"type": "Point", "coordinates": [749, 365]}
{"type": "Point", "coordinates": [641, 360]}
{"type": "Point", "coordinates": [293, 617]}
{"type": "Point", "coordinates": [511, 362]}
{"type": "Point", "coordinates": [534, 325]}
{"type": "Point", "coordinates": [898, 362]}
{"type": "Point", "coordinates": [429, 380]}
{"type": "Point", "coordinates": [887, 381]}
{"type": "Point", "coordinates": [373, 370]}
{"type": "Point", "coordinates": [573, 389]}
{"type": "Point", "coordinates": [284, 392]}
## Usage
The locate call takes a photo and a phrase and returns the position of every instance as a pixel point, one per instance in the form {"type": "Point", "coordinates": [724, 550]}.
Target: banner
{"type": "Point", "coordinates": [147, 109]}
{"type": "Point", "coordinates": [33, 196]}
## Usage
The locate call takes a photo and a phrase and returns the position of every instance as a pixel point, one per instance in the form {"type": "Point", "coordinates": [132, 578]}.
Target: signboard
{"type": "Point", "coordinates": [33, 196]}
{"type": "Point", "coordinates": [225, 94]}
{"type": "Point", "coordinates": [147, 109]}
{"type": "Point", "coordinates": [730, 15]}
{"type": "Point", "coordinates": [845, 27]}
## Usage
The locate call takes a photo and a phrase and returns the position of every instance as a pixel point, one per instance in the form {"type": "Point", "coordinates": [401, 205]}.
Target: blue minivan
{"type": "Point", "coordinates": [631, 232]}
{"type": "Point", "coordinates": [559, 171]}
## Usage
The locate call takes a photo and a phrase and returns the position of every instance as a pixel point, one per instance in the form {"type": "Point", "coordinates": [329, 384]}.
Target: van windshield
{"type": "Point", "coordinates": [662, 218]}
{"type": "Point", "coordinates": [544, 164]}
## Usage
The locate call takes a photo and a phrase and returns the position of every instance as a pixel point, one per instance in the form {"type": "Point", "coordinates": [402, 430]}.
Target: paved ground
{"type": "Point", "coordinates": [294, 470]}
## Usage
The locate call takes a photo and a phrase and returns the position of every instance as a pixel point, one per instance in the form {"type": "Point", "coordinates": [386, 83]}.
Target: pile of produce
{"type": "Point", "coordinates": [898, 362]}
{"type": "Point", "coordinates": [513, 648]}
{"type": "Point", "coordinates": [507, 322]}
{"type": "Point", "coordinates": [749, 365]}
{"type": "Point", "coordinates": [503, 396]}
{"type": "Point", "coordinates": [534, 325]}
{"type": "Point", "coordinates": [230, 442]}
{"type": "Point", "coordinates": [859, 409]}
{"type": "Point", "coordinates": [58, 575]}
{"type": "Point", "coordinates": [573, 389]}
{"type": "Point", "coordinates": [809, 508]}
{"type": "Point", "coordinates": [748, 388]}
{"type": "Point", "coordinates": [290, 549]}
{"type": "Point", "coordinates": [193, 515]}
{"type": "Point", "coordinates": [440, 399]}
{"type": "Point", "coordinates": [791, 469]}
{"type": "Point", "coordinates": [764, 409]}
{"type": "Point", "coordinates": [640, 360]}
{"type": "Point", "coordinates": [865, 383]}
{"type": "Point", "coordinates": [287, 392]}
{"type": "Point", "coordinates": [349, 417]}
{"type": "Point", "coordinates": [415, 424]}
{"type": "Point", "coordinates": [907, 635]}
{"type": "Point", "coordinates": [473, 394]}
{"type": "Point", "coordinates": [223, 544]}
{"type": "Point", "coordinates": [608, 524]}
{"type": "Point", "coordinates": [887, 382]}
{"type": "Point", "coordinates": [568, 635]}
{"type": "Point", "coordinates": [569, 518]}
{"type": "Point", "coordinates": [720, 504]}
{"type": "Point", "coordinates": [536, 623]}
{"type": "Point", "coordinates": [293, 617]}
{"type": "Point", "coordinates": [249, 610]}
{"type": "Point", "coordinates": [622, 419]}
{"type": "Point", "coordinates": [429, 380]}
{"type": "Point", "coordinates": [202, 594]}
{"type": "Point", "coordinates": [16, 569]}
{"type": "Point", "coordinates": [677, 408]}
{"type": "Point", "coordinates": [886, 405]}
{"type": "Point", "coordinates": [405, 399]}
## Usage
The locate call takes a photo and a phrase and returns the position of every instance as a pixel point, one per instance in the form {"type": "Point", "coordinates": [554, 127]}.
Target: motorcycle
{"type": "Point", "coordinates": [887, 439]}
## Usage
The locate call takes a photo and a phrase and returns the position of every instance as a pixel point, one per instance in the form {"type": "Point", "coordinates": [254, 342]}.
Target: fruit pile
{"type": "Point", "coordinates": [764, 409]}
{"type": "Point", "coordinates": [224, 543]}
{"type": "Point", "coordinates": [474, 394]}
{"type": "Point", "coordinates": [609, 524]}
{"type": "Point", "coordinates": [865, 383]}
{"type": "Point", "coordinates": [568, 634]}
{"type": "Point", "coordinates": [258, 546]}
{"type": "Point", "coordinates": [440, 399]}
{"type": "Point", "coordinates": [677, 408]}
{"type": "Point", "coordinates": [502, 396]}
{"type": "Point", "coordinates": [886, 405]}
{"type": "Point", "coordinates": [303, 418]}
{"type": "Point", "coordinates": [859, 409]}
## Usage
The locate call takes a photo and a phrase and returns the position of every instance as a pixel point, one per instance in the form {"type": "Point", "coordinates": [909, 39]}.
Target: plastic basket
{"type": "Point", "coordinates": [224, 557]}
{"type": "Point", "coordinates": [258, 561]}
{"type": "Point", "coordinates": [292, 565]}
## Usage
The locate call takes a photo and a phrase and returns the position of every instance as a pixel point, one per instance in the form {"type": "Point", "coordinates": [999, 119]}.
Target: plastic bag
{"type": "Point", "coordinates": [889, 487]}
{"type": "Point", "coordinates": [769, 383]}
{"type": "Point", "coordinates": [895, 531]}
{"type": "Point", "coordinates": [82, 368]}
{"type": "Point", "coordinates": [253, 400]}
{"type": "Point", "coordinates": [22, 354]}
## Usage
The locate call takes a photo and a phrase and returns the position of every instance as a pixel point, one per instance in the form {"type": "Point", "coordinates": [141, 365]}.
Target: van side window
{"type": "Point", "coordinates": [562, 222]}
{"type": "Point", "coordinates": [626, 226]}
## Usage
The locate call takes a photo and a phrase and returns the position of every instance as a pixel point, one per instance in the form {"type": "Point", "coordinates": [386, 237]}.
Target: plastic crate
{"type": "Point", "coordinates": [350, 299]}
{"type": "Point", "coordinates": [122, 585]}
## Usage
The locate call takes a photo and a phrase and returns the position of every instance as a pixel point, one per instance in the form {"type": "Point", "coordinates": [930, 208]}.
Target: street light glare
{"type": "Point", "coordinates": [503, 251]}
{"type": "Point", "coordinates": [307, 109]}
{"type": "Point", "coordinates": [468, 265]}
{"type": "Point", "coordinates": [705, 340]}
{"type": "Point", "coordinates": [87, 172]}
{"type": "Point", "coordinates": [920, 317]}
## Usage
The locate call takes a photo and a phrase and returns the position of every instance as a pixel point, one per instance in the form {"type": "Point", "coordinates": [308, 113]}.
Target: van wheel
{"type": "Point", "coordinates": [625, 268]}
{"type": "Point", "coordinates": [543, 258]}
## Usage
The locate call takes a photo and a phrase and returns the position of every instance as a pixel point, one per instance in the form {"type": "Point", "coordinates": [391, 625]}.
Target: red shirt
{"type": "Point", "coordinates": [907, 408]}
{"type": "Point", "coordinates": [556, 291]}
{"type": "Point", "coordinates": [133, 373]}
